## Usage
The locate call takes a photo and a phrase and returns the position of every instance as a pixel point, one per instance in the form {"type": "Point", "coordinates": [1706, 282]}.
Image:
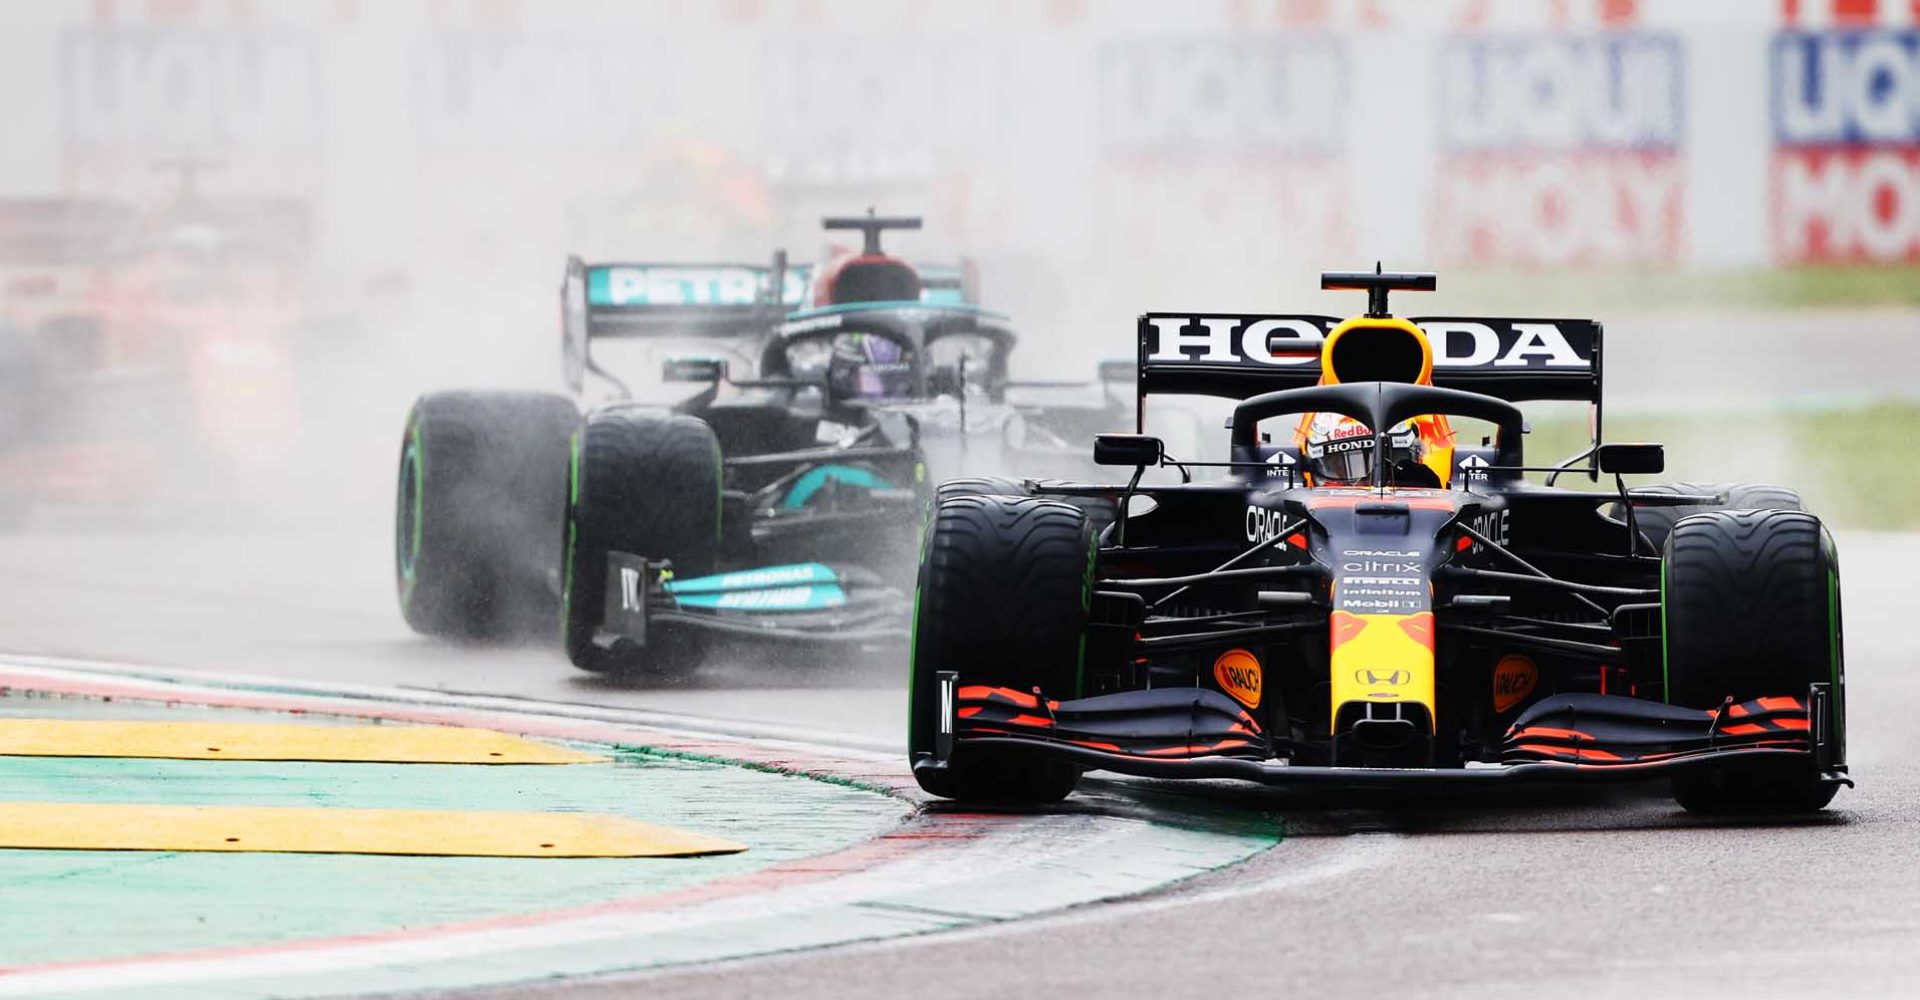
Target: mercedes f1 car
{"type": "Point", "coordinates": [1388, 606]}
{"type": "Point", "coordinates": [782, 505]}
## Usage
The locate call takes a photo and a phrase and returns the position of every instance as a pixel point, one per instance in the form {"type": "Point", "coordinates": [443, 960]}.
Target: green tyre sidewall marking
{"type": "Point", "coordinates": [412, 474]}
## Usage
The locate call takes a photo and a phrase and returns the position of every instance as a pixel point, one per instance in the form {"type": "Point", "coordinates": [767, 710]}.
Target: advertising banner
{"type": "Point", "coordinates": [1560, 148]}
{"type": "Point", "coordinates": [1845, 108]}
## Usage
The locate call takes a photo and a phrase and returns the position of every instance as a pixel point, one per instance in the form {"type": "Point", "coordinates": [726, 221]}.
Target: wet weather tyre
{"type": "Point", "coordinates": [1751, 606]}
{"type": "Point", "coordinates": [481, 494]}
{"type": "Point", "coordinates": [1656, 523]}
{"type": "Point", "coordinates": [647, 485]}
{"type": "Point", "coordinates": [1100, 511]}
{"type": "Point", "coordinates": [1002, 601]}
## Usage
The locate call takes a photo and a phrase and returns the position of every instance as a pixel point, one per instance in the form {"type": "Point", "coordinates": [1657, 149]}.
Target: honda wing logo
{"type": "Point", "coordinates": [1292, 341]}
{"type": "Point", "coordinates": [1495, 344]}
{"type": "Point", "coordinates": [1236, 339]}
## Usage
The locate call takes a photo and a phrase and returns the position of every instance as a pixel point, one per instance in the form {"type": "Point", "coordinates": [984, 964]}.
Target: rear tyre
{"type": "Point", "coordinates": [1002, 601]}
{"type": "Point", "coordinates": [482, 490]}
{"type": "Point", "coordinates": [1751, 600]}
{"type": "Point", "coordinates": [1657, 522]}
{"type": "Point", "coordinates": [1100, 511]}
{"type": "Point", "coordinates": [647, 485]}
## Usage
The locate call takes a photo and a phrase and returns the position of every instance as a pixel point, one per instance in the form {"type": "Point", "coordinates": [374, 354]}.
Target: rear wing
{"type": "Point", "coordinates": [1241, 355]}
{"type": "Point", "coordinates": [949, 284]}
{"type": "Point", "coordinates": [599, 301]}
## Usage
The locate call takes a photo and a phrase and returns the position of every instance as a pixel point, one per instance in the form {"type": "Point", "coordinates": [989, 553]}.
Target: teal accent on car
{"type": "Point", "coordinates": [808, 597]}
{"type": "Point", "coordinates": [795, 587]}
{"type": "Point", "coordinates": [794, 575]}
{"type": "Point", "coordinates": [811, 482]}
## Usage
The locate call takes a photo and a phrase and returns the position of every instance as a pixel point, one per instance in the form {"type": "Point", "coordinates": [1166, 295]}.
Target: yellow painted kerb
{"type": "Point", "coordinates": [88, 826]}
{"type": "Point", "coordinates": [277, 741]}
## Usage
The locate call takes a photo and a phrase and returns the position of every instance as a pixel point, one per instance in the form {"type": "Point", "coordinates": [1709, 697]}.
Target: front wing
{"type": "Point", "coordinates": [802, 602]}
{"type": "Point", "coordinates": [1198, 733]}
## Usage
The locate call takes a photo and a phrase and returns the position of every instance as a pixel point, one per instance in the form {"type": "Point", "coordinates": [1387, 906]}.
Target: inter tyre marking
{"type": "Point", "coordinates": [947, 682]}
{"type": "Point", "coordinates": [629, 589]}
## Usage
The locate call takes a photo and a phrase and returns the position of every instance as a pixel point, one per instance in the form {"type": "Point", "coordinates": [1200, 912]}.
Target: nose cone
{"type": "Point", "coordinates": [1383, 687]}
{"type": "Point", "coordinates": [1389, 656]}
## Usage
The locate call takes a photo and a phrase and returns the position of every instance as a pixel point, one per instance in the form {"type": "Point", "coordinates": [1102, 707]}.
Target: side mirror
{"type": "Point", "coordinates": [1632, 459]}
{"type": "Point", "coordinates": [1127, 449]}
{"type": "Point", "coordinates": [1117, 370]}
{"type": "Point", "coordinates": [693, 370]}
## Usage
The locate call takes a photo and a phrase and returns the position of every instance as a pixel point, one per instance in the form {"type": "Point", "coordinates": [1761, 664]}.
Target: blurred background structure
{"type": "Point", "coordinates": [237, 236]}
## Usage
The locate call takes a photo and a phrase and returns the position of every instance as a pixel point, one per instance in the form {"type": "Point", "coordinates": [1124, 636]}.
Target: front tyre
{"type": "Point", "coordinates": [1751, 600]}
{"type": "Point", "coordinates": [647, 485]}
{"type": "Point", "coordinates": [1002, 601]}
{"type": "Point", "coordinates": [481, 492]}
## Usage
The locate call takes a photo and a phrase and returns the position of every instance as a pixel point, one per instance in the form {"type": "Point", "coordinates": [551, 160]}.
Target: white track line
{"type": "Point", "coordinates": [1353, 853]}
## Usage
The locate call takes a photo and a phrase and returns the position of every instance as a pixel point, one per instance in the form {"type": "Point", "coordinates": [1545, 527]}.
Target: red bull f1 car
{"type": "Point", "coordinates": [1389, 607]}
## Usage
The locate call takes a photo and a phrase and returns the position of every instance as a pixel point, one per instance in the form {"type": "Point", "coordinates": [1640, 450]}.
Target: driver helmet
{"type": "Point", "coordinates": [1340, 450]}
{"type": "Point", "coordinates": [868, 366]}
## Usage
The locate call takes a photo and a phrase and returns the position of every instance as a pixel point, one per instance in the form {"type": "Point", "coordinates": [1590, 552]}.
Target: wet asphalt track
{"type": "Point", "coordinates": [1602, 895]}
{"type": "Point", "coordinates": [1589, 895]}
